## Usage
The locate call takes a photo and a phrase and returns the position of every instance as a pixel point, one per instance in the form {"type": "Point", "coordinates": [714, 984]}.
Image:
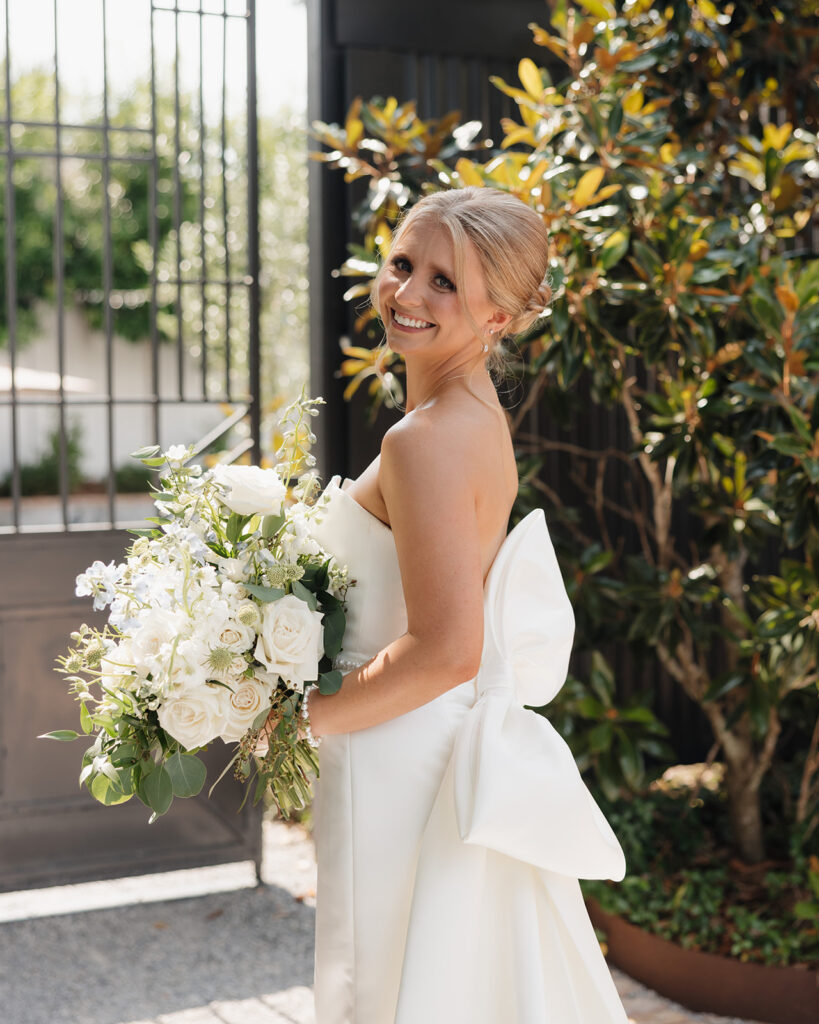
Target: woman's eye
{"type": "Point", "coordinates": [444, 282]}
{"type": "Point", "coordinates": [401, 263]}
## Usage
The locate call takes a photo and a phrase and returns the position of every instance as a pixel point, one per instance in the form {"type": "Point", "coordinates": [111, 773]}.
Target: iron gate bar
{"type": "Point", "coordinates": [59, 277]}
{"type": "Point", "coordinates": [253, 262]}
{"type": "Point", "coordinates": [202, 179]}
{"type": "Point", "coordinates": [11, 286]}
{"type": "Point", "coordinates": [130, 400]}
{"type": "Point", "coordinates": [223, 149]}
{"type": "Point", "coordinates": [107, 270]}
{"type": "Point", "coordinates": [75, 155]}
{"type": "Point", "coordinates": [153, 236]}
{"type": "Point", "coordinates": [177, 205]}
{"type": "Point", "coordinates": [132, 129]}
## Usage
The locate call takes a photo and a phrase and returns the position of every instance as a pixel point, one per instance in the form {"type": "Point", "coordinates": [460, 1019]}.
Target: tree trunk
{"type": "Point", "coordinates": [744, 805]}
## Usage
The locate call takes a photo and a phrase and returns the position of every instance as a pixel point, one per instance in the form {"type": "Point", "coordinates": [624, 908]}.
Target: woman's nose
{"type": "Point", "coordinates": [408, 291]}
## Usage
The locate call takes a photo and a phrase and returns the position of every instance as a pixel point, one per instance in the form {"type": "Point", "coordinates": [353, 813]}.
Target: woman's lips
{"type": "Point", "coordinates": [409, 323]}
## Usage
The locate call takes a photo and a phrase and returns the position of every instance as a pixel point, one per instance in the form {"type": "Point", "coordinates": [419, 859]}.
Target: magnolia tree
{"type": "Point", "coordinates": [676, 169]}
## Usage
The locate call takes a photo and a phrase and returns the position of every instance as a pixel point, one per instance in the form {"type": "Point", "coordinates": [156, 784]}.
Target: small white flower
{"type": "Point", "coordinates": [177, 454]}
{"type": "Point", "coordinates": [100, 580]}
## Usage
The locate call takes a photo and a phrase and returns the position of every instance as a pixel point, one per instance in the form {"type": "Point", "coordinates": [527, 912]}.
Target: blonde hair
{"type": "Point", "coordinates": [512, 245]}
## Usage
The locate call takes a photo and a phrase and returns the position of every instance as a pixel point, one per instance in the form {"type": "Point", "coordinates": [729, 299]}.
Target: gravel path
{"type": "Point", "coordinates": [190, 947]}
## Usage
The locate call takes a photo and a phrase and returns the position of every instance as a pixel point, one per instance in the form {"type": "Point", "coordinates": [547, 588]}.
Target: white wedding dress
{"type": "Point", "coordinates": [450, 839]}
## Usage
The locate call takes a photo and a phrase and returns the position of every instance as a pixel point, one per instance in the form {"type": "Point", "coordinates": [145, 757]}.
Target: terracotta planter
{"type": "Point", "coordinates": [707, 982]}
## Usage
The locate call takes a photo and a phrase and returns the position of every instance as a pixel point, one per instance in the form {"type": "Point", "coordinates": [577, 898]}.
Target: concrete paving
{"type": "Point", "coordinates": [191, 947]}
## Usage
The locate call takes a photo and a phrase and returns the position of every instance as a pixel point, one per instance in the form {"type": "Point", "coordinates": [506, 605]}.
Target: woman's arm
{"type": "Point", "coordinates": [430, 498]}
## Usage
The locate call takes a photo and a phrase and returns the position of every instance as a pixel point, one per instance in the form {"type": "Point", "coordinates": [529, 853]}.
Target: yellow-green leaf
{"type": "Point", "coordinates": [468, 172]}
{"type": "Point", "coordinates": [509, 90]}
{"type": "Point", "coordinates": [530, 78]}
{"type": "Point", "coordinates": [633, 100]}
{"type": "Point", "coordinates": [604, 193]}
{"type": "Point", "coordinates": [599, 8]}
{"type": "Point", "coordinates": [614, 248]}
{"type": "Point", "coordinates": [518, 133]}
{"type": "Point", "coordinates": [587, 186]}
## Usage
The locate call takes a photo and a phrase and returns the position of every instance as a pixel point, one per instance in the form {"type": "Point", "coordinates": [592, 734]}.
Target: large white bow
{"type": "Point", "coordinates": [517, 787]}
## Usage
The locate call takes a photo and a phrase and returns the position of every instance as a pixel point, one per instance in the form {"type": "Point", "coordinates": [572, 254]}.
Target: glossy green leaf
{"type": "Point", "coordinates": [330, 682]}
{"type": "Point", "coordinates": [299, 590]}
{"type": "Point", "coordinates": [156, 790]}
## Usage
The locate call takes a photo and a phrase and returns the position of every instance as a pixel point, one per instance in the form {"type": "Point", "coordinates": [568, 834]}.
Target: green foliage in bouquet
{"type": "Point", "coordinates": [220, 617]}
{"type": "Point", "coordinates": [671, 148]}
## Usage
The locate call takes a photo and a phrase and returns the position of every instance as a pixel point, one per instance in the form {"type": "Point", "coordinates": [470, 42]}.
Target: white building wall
{"type": "Point", "coordinates": [86, 381]}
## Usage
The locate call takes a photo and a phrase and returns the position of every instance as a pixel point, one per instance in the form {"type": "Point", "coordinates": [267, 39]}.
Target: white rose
{"type": "Point", "coordinates": [290, 640]}
{"type": "Point", "coordinates": [249, 697]}
{"type": "Point", "coordinates": [235, 636]}
{"type": "Point", "coordinates": [251, 489]}
{"type": "Point", "coordinates": [193, 716]}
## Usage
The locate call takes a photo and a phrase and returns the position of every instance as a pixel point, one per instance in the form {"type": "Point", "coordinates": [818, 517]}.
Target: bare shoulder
{"type": "Point", "coordinates": [455, 432]}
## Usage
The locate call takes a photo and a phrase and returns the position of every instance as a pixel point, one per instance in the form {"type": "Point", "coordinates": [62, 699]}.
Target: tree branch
{"type": "Point", "coordinates": [808, 790]}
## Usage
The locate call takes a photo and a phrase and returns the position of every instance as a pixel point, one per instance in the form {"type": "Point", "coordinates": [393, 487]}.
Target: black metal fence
{"type": "Point", "coordinates": [171, 168]}
{"type": "Point", "coordinates": [134, 212]}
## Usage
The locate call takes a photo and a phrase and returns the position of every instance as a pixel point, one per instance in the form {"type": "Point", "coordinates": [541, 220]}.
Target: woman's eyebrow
{"type": "Point", "coordinates": [444, 273]}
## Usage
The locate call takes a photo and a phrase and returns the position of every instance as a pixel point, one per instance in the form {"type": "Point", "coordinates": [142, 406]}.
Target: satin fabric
{"type": "Point", "coordinates": [449, 840]}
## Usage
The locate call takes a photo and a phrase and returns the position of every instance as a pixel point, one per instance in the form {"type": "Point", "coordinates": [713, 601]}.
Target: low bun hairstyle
{"type": "Point", "coordinates": [512, 245]}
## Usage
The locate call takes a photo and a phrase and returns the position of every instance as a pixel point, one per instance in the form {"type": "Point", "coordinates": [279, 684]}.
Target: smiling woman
{"type": "Point", "coordinates": [441, 897]}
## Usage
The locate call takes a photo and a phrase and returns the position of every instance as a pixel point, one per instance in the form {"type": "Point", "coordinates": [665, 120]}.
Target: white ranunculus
{"type": "Point", "coordinates": [249, 697]}
{"type": "Point", "coordinates": [194, 716]}
{"type": "Point", "coordinates": [290, 640]}
{"type": "Point", "coordinates": [251, 489]}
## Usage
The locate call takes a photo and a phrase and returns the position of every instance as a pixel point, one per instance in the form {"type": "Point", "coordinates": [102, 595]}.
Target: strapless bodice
{"type": "Point", "coordinates": [376, 612]}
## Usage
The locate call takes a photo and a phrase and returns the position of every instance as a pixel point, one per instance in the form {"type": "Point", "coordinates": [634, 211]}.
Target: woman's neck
{"type": "Point", "coordinates": [422, 383]}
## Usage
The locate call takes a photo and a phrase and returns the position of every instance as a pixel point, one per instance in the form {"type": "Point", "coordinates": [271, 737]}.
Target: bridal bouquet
{"type": "Point", "coordinates": [219, 618]}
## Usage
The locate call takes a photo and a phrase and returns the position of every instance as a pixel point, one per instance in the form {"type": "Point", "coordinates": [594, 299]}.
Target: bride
{"type": "Point", "coordinates": [451, 823]}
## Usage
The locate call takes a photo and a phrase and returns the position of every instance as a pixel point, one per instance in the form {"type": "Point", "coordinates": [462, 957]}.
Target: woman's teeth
{"type": "Point", "coordinates": [405, 321]}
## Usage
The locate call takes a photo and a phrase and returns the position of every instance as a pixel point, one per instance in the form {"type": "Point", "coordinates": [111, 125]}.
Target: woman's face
{"type": "Point", "coordinates": [417, 294]}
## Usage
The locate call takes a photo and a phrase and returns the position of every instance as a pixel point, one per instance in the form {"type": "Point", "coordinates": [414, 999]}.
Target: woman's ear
{"type": "Point", "coordinates": [497, 322]}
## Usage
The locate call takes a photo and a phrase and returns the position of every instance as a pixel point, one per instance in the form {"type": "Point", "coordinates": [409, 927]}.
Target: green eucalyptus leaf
{"type": "Point", "coordinates": [146, 453]}
{"type": "Point", "coordinates": [86, 722]}
{"type": "Point", "coordinates": [330, 682]}
{"type": "Point", "coordinates": [271, 525]}
{"type": "Point", "coordinates": [64, 735]}
{"type": "Point", "coordinates": [156, 790]}
{"type": "Point", "coordinates": [299, 590]}
{"type": "Point", "coordinates": [335, 623]}
{"type": "Point", "coordinates": [187, 774]}
{"type": "Point", "coordinates": [107, 792]}
{"type": "Point", "coordinates": [235, 527]}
